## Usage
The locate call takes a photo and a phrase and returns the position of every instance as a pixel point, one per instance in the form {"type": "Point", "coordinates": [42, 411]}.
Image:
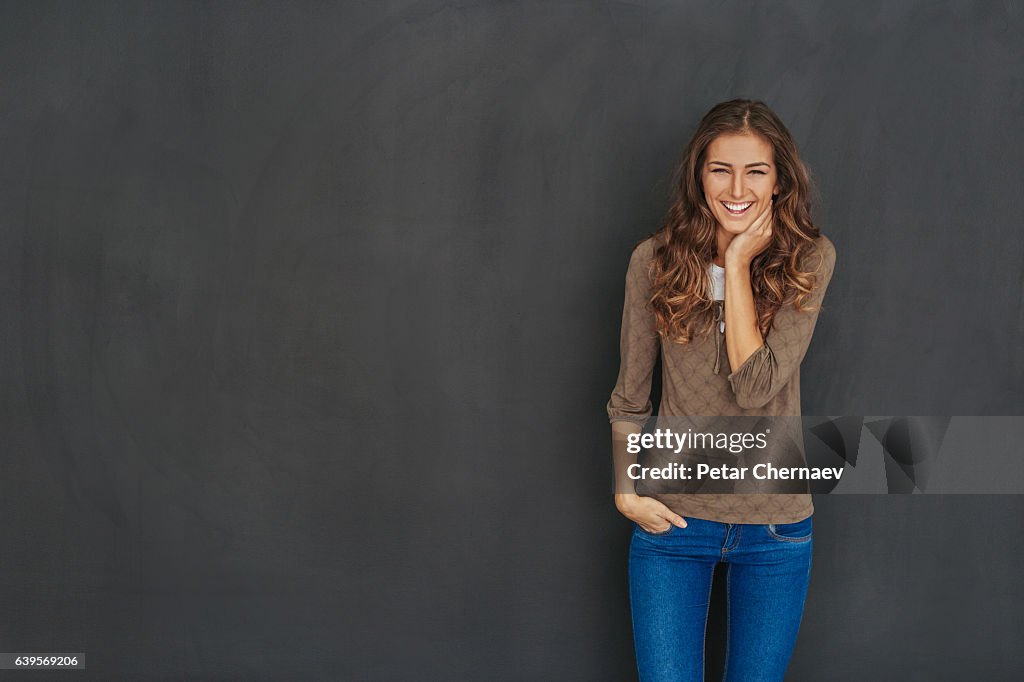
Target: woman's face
{"type": "Point", "coordinates": [739, 179]}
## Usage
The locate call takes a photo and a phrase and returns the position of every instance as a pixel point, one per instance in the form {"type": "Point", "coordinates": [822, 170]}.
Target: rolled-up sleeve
{"type": "Point", "coordinates": [638, 344]}
{"type": "Point", "coordinates": [770, 367]}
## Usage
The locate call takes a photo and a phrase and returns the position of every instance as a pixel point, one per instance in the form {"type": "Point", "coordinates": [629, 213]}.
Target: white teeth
{"type": "Point", "coordinates": [737, 207]}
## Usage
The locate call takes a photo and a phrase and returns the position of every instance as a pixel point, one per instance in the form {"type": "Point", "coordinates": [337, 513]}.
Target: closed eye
{"type": "Point", "coordinates": [726, 170]}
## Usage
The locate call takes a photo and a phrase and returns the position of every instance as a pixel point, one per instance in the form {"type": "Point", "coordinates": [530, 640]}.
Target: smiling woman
{"type": "Point", "coordinates": [738, 192]}
{"type": "Point", "coordinates": [738, 264]}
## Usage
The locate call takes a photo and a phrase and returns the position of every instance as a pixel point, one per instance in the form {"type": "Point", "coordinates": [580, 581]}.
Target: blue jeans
{"type": "Point", "coordinates": [670, 576]}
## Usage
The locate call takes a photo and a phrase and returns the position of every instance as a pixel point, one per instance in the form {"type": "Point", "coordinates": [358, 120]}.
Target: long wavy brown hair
{"type": "Point", "coordinates": [681, 295]}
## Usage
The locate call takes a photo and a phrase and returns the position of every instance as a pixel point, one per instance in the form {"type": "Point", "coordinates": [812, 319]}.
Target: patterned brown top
{"type": "Point", "coordinates": [697, 380]}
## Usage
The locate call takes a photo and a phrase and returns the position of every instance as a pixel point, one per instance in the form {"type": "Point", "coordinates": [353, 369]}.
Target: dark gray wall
{"type": "Point", "coordinates": [309, 313]}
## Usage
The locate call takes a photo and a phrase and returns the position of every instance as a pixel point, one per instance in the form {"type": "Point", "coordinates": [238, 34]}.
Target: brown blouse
{"type": "Point", "coordinates": [697, 380]}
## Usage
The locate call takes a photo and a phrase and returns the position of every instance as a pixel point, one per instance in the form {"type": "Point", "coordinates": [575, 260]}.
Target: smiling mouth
{"type": "Point", "coordinates": [737, 209]}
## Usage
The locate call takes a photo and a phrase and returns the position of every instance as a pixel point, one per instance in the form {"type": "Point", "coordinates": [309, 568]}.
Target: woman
{"type": "Point", "coordinates": [736, 275]}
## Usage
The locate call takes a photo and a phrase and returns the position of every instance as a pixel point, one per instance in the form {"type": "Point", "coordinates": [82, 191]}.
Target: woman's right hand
{"type": "Point", "coordinates": [647, 512]}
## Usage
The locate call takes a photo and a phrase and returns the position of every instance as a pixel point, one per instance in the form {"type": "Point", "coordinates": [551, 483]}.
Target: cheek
{"type": "Point", "coordinates": [712, 188]}
{"type": "Point", "coordinates": [712, 202]}
{"type": "Point", "coordinates": [763, 188]}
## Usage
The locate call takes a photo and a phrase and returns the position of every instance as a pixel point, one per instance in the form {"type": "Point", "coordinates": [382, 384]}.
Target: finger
{"type": "Point", "coordinates": [667, 514]}
{"type": "Point", "coordinates": [672, 517]}
{"type": "Point", "coordinates": [761, 216]}
{"type": "Point", "coordinates": [677, 520]}
{"type": "Point", "coordinates": [760, 221]}
{"type": "Point", "coordinates": [655, 526]}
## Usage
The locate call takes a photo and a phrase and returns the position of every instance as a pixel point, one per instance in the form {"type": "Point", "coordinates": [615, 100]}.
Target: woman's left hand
{"type": "Point", "coordinates": [753, 240]}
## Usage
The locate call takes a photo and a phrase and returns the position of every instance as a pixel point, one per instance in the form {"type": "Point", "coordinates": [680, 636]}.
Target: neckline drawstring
{"type": "Point", "coordinates": [719, 325]}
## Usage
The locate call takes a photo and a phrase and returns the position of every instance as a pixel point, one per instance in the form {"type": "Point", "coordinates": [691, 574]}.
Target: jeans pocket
{"type": "Point", "coordinates": [654, 535]}
{"type": "Point", "coordinates": [801, 531]}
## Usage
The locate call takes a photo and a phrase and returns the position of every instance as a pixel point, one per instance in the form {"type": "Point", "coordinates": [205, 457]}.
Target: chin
{"type": "Point", "coordinates": [732, 226]}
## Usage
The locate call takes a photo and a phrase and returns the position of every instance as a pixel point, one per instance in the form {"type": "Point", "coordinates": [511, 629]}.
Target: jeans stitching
{"type": "Point", "coordinates": [728, 623]}
{"type": "Point", "coordinates": [704, 639]}
{"type": "Point", "coordinates": [736, 541]}
{"type": "Point", "coordinates": [771, 531]}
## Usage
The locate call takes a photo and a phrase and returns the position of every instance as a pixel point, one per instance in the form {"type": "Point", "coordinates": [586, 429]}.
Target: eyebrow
{"type": "Point", "coordinates": [749, 165]}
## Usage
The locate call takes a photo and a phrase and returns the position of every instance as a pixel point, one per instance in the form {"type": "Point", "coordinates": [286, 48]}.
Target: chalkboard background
{"type": "Point", "coordinates": [309, 314]}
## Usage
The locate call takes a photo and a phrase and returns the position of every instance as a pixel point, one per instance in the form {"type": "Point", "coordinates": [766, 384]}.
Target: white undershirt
{"type": "Point", "coordinates": [718, 285]}
{"type": "Point", "coordinates": [718, 281]}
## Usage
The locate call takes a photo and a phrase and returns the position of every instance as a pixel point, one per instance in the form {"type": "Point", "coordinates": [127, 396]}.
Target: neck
{"type": "Point", "coordinates": [724, 239]}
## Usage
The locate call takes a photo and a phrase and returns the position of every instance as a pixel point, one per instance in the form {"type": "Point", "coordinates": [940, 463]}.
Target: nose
{"type": "Point", "coordinates": [737, 186]}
